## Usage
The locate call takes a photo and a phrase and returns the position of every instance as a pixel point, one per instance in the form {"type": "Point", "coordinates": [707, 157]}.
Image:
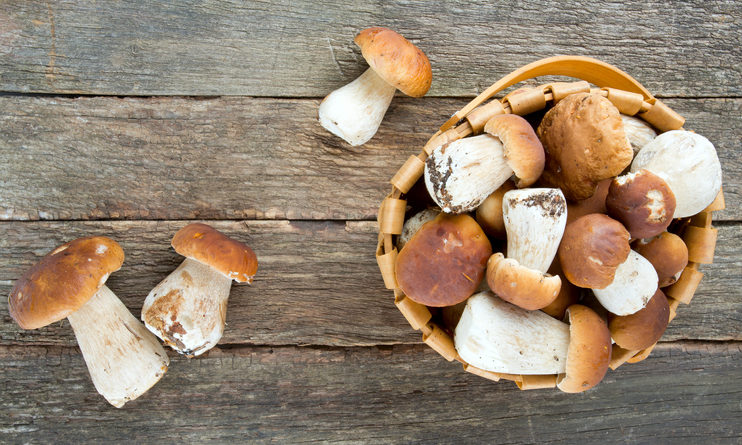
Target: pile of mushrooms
{"type": "Point", "coordinates": [587, 194]}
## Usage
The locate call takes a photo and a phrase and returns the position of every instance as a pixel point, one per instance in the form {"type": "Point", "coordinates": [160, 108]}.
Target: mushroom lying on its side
{"type": "Point", "coordinates": [460, 175]}
{"type": "Point", "coordinates": [187, 309]}
{"type": "Point", "coordinates": [355, 111]}
{"type": "Point", "coordinates": [689, 164]}
{"type": "Point", "coordinates": [497, 336]}
{"type": "Point", "coordinates": [534, 221]}
{"type": "Point", "coordinates": [123, 358]}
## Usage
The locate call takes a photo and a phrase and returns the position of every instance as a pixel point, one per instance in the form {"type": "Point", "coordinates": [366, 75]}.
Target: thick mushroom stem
{"type": "Point", "coordinates": [634, 284]}
{"type": "Point", "coordinates": [462, 174]}
{"type": "Point", "coordinates": [534, 220]}
{"type": "Point", "coordinates": [497, 336]}
{"type": "Point", "coordinates": [355, 111]}
{"type": "Point", "coordinates": [187, 309]}
{"type": "Point", "coordinates": [123, 358]}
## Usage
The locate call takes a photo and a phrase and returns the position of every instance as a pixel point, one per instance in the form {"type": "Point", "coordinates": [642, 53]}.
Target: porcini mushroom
{"type": "Point", "coordinates": [124, 360]}
{"type": "Point", "coordinates": [444, 262]}
{"type": "Point", "coordinates": [413, 224]}
{"type": "Point", "coordinates": [595, 253]}
{"type": "Point", "coordinates": [668, 254]}
{"type": "Point", "coordinates": [489, 212]}
{"type": "Point", "coordinates": [643, 328]}
{"type": "Point", "coordinates": [497, 336]}
{"type": "Point", "coordinates": [355, 111]}
{"type": "Point", "coordinates": [638, 132]}
{"type": "Point", "coordinates": [689, 164]}
{"type": "Point", "coordinates": [585, 142]}
{"type": "Point", "coordinates": [534, 221]}
{"type": "Point", "coordinates": [461, 174]}
{"type": "Point", "coordinates": [642, 202]}
{"type": "Point", "coordinates": [589, 352]}
{"type": "Point", "coordinates": [188, 308]}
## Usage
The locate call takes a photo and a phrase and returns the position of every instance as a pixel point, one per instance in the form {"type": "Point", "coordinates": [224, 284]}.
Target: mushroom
{"type": "Point", "coordinates": [589, 352]}
{"type": "Point", "coordinates": [643, 328]}
{"type": "Point", "coordinates": [497, 336]}
{"type": "Point", "coordinates": [534, 221]}
{"type": "Point", "coordinates": [593, 204]}
{"type": "Point", "coordinates": [642, 201]}
{"type": "Point", "coordinates": [569, 294]}
{"type": "Point", "coordinates": [444, 262]}
{"type": "Point", "coordinates": [188, 308]}
{"type": "Point", "coordinates": [459, 175]}
{"type": "Point", "coordinates": [595, 254]}
{"type": "Point", "coordinates": [634, 284]}
{"type": "Point", "coordinates": [124, 360]}
{"type": "Point", "coordinates": [638, 132]}
{"type": "Point", "coordinates": [413, 224]}
{"type": "Point", "coordinates": [689, 164]}
{"type": "Point", "coordinates": [489, 212]}
{"type": "Point", "coordinates": [585, 142]}
{"type": "Point", "coordinates": [668, 254]}
{"type": "Point", "coordinates": [355, 111]}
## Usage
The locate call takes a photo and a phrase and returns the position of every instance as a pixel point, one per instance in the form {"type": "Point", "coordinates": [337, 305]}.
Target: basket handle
{"type": "Point", "coordinates": [585, 68]}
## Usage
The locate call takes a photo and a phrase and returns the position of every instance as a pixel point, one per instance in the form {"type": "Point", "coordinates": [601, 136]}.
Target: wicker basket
{"type": "Point", "coordinates": [630, 98]}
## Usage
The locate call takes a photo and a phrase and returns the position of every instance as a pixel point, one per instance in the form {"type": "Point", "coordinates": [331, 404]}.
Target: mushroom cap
{"type": "Point", "coordinates": [523, 151]}
{"type": "Point", "coordinates": [643, 328]}
{"type": "Point", "coordinates": [413, 224]}
{"type": "Point", "coordinates": [589, 350]}
{"type": "Point", "coordinates": [63, 281]}
{"type": "Point", "coordinates": [638, 132]}
{"type": "Point", "coordinates": [569, 294]}
{"type": "Point", "coordinates": [207, 245]}
{"type": "Point", "coordinates": [520, 285]}
{"type": "Point", "coordinates": [396, 60]}
{"type": "Point", "coordinates": [593, 204]}
{"type": "Point", "coordinates": [489, 213]}
{"type": "Point", "coordinates": [444, 262]}
{"type": "Point", "coordinates": [584, 140]}
{"type": "Point", "coordinates": [689, 164]}
{"type": "Point", "coordinates": [668, 254]}
{"type": "Point", "coordinates": [642, 201]}
{"type": "Point", "coordinates": [592, 248]}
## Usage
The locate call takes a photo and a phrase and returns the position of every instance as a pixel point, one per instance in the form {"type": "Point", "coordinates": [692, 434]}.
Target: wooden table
{"type": "Point", "coordinates": [128, 119]}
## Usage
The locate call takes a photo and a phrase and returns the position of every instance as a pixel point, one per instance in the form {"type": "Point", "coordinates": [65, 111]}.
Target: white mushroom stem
{"type": "Point", "coordinates": [633, 286]}
{"type": "Point", "coordinates": [462, 174]}
{"type": "Point", "coordinates": [124, 359]}
{"type": "Point", "coordinates": [497, 336]}
{"type": "Point", "coordinates": [534, 221]}
{"type": "Point", "coordinates": [355, 111]}
{"type": "Point", "coordinates": [638, 132]}
{"type": "Point", "coordinates": [413, 224]}
{"type": "Point", "coordinates": [187, 309]}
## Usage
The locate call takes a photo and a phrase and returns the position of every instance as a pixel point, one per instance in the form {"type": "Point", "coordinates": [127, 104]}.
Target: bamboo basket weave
{"type": "Point", "coordinates": [631, 98]}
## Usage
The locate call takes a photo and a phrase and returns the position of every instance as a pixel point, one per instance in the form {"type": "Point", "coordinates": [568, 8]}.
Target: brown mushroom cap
{"type": "Point", "coordinates": [520, 285]}
{"type": "Point", "coordinates": [63, 281]}
{"type": "Point", "coordinates": [523, 151]}
{"type": "Point", "coordinates": [642, 201]}
{"type": "Point", "coordinates": [589, 351]}
{"type": "Point", "coordinates": [207, 245]}
{"type": "Point", "coordinates": [591, 249]}
{"type": "Point", "coordinates": [585, 143]}
{"type": "Point", "coordinates": [396, 60]}
{"type": "Point", "coordinates": [489, 212]}
{"type": "Point", "coordinates": [641, 329]}
{"type": "Point", "coordinates": [444, 262]}
{"type": "Point", "coordinates": [668, 254]}
{"type": "Point", "coordinates": [569, 294]}
{"type": "Point", "coordinates": [593, 204]}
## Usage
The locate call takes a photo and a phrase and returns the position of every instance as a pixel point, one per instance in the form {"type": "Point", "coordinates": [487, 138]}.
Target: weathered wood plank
{"type": "Point", "coordinates": [318, 282]}
{"type": "Point", "coordinates": [404, 394]}
{"type": "Point", "coordinates": [233, 158]}
{"type": "Point", "coordinates": [305, 48]}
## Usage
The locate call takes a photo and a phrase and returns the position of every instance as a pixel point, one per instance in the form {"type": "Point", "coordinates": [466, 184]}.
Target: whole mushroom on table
{"type": "Point", "coordinates": [124, 359]}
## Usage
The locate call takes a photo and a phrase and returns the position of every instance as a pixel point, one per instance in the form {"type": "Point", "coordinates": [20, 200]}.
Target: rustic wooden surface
{"type": "Point", "coordinates": [315, 350]}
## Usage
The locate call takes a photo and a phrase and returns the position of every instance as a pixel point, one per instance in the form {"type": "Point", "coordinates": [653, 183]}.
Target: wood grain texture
{"type": "Point", "coordinates": [317, 283]}
{"type": "Point", "coordinates": [234, 158]}
{"type": "Point", "coordinates": [305, 48]}
{"type": "Point", "coordinates": [402, 394]}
